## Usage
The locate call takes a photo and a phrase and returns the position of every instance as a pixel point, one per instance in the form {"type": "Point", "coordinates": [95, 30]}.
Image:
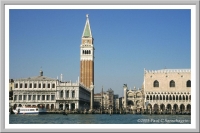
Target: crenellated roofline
{"type": "Point", "coordinates": [167, 71]}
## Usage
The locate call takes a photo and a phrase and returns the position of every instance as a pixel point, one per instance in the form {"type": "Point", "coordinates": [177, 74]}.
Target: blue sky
{"type": "Point", "coordinates": [126, 41]}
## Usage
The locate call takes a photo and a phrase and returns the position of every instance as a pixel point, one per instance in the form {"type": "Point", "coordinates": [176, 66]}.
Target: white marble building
{"type": "Point", "coordinates": [49, 93]}
{"type": "Point", "coordinates": [167, 90]}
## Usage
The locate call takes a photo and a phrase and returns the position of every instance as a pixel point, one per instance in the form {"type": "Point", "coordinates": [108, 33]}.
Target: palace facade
{"type": "Point", "coordinates": [167, 90]}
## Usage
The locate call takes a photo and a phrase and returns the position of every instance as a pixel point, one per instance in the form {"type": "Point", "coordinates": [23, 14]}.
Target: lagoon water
{"type": "Point", "coordinates": [98, 119]}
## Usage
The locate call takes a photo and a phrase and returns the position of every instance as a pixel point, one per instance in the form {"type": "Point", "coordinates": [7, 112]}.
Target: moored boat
{"type": "Point", "coordinates": [29, 110]}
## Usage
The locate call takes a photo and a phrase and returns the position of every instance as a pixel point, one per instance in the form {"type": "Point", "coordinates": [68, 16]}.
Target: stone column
{"type": "Point", "coordinates": [168, 98]}
{"type": "Point", "coordinates": [175, 98]}
{"type": "Point", "coordinates": [91, 96]}
{"type": "Point", "coordinates": [70, 93]}
{"type": "Point", "coordinates": [185, 98]}
{"type": "Point", "coordinates": [69, 106]}
{"type": "Point", "coordinates": [64, 94]}
{"type": "Point", "coordinates": [145, 101]}
{"type": "Point", "coordinates": [64, 106]}
{"type": "Point", "coordinates": [78, 93]}
{"type": "Point", "coordinates": [125, 95]}
{"type": "Point", "coordinates": [158, 108]}
{"type": "Point", "coordinates": [77, 105]}
{"type": "Point", "coordinates": [185, 107]}
{"type": "Point", "coordinates": [58, 94]}
{"type": "Point", "coordinates": [57, 105]}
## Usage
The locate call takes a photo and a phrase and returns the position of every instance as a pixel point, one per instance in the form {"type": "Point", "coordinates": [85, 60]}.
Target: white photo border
{"type": "Point", "coordinates": [106, 127]}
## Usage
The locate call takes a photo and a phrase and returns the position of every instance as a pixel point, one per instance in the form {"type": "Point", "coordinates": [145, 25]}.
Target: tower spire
{"type": "Point", "coordinates": [87, 30]}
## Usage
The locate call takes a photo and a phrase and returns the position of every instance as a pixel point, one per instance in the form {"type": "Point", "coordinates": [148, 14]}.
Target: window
{"type": "Point", "coordinates": [43, 85]}
{"type": "Point", "coordinates": [20, 97]}
{"type": "Point", "coordinates": [67, 94]}
{"type": "Point", "coordinates": [73, 94]}
{"type": "Point", "coordinates": [38, 97]}
{"type": "Point", "coordinates": [188, 84]}
{"type": "Point", "coordinates": [48, 97]}
{"type": "Point", "coordinates": [16, 85]}
{"type": "Point", "coordinates": [61, 93]}
{"type": "Point", "coordinates": [24, 97]}
{"type": "Point", "coordinates": [155, 83]}
{"type": "Point", "coordinates": [53, 85]}
{"type": "Point", "coordinates": [43, 97]}
{"type": "Point", "coordinates": [21, 85]}
{"type": "Point", "coordinates": [35, 85]}
{"type": "Point", "coordinates": [15, 97]}
{"type": "Point", "coordinates": [52, 97]}
{"type": "Point", "coordinates": [34, 97]}
{"type": "Point", "coordinates": [29, 97]}
{"type": "Point", "coordinates": [25, 86]}
{"type": "Point", "coordinates": [30, 85]}
{"type": "Point", "coordinates": [172, 83]}
{"type": "Point", "coordinates": [48, 86]}
{"type": "Point", "coordinates": [39, 85]}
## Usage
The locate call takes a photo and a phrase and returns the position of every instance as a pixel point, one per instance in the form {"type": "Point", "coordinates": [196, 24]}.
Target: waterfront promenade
{"type": "Point", "coordinates": [114, 112]}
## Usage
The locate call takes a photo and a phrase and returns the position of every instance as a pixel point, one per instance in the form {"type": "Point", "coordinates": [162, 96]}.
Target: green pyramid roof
{"type": "Point", "coordinates": [87, 31]}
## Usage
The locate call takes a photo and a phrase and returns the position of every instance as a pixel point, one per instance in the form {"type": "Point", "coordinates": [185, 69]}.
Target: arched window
{"type": "Point", "coordinates": [89, 51]}
{"type": "Point", "coordinates": [73, 94]}
{"type": "Point", "coordinates": [157, 97]}
{"type": "Point", "coordinates": [150, 97]}
{"type": "Point", "coordinates": [154, 98]}
{"type": "Point", "coordinates": [186, 97]}
{"type": "Point", "coordinates": [180, 98]}
{"type": "Point", "coordinates": [166, 97]}
{"type": "Point", "coordinates": [61, 94]}
{"type": "Point", "coordinates": [16, 85]}
{"type": "Point", "coordinates": [170, 97]}
{"type": "Point", "coordinates": [83, 52]}
{"type": "Point", "coordinates": [188, 84]}
{"type": "Point", "coordinates": [172, 83]}
{"type": "Point", "coordinates": [147, 97]}
{"type": "Point", "coordinates": [67, 94]}
{"type": "Point", "coordinates": [183, 97]}
{"type": "Point", "coordinates": [155, 83]}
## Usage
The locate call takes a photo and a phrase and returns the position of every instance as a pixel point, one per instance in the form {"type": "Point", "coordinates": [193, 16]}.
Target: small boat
{"type": "Point", "coordinates": [64, 113]}
{"type": "Point", "coordinates": [29, 110]}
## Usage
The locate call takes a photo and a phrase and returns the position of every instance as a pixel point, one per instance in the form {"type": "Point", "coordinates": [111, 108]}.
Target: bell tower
{"type": "Point", "coordinates": [87, 56]}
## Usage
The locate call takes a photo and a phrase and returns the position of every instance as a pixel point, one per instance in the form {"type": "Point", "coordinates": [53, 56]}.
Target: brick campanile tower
{"type": "Point", "coordinates": [87, 56]}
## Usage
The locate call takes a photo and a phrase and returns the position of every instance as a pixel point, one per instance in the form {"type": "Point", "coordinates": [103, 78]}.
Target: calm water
{"type": "Point", "coordinates": [98, 119]}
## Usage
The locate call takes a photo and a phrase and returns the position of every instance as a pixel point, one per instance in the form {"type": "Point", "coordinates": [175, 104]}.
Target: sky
{"type": "Point", "coordinates": [126, 42]}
